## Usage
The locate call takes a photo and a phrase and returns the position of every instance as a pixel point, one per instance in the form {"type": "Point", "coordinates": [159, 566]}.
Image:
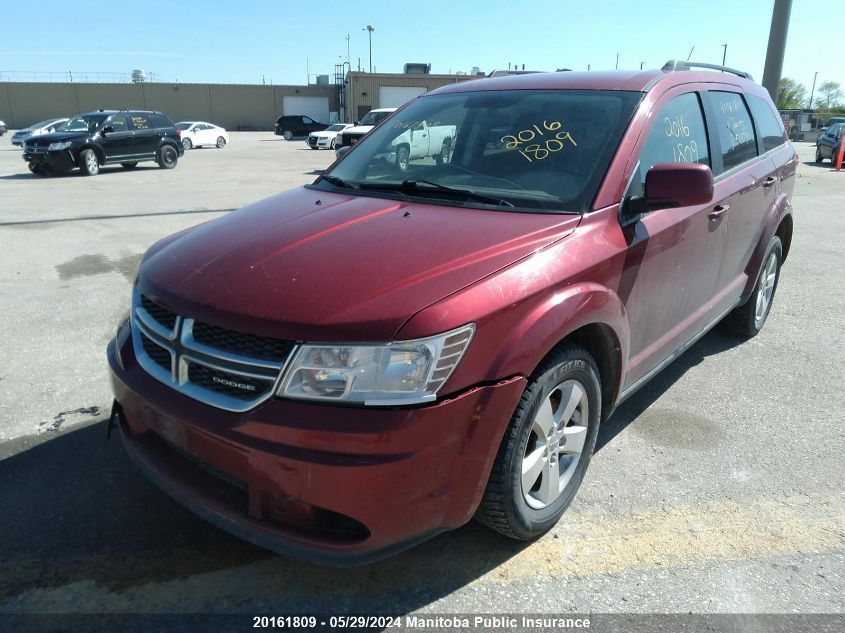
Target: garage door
{"type": "Point", "coordinates": [394, 96]}
{"type": "Point", "coordinates": [315, 107]}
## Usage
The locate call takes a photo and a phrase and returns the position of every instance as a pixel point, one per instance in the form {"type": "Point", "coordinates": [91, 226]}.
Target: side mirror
{"type": "Point", "coordinates": [356, 123]}
{"type": "Point", "coordinates": [107, 130]}
{"type": "Point", "coordinates": [341, 151]}
{"type": "Point", "coordinates": [670, 185]}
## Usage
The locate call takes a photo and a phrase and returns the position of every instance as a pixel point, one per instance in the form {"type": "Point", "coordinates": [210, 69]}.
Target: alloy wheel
{"type": "Point", "coordinates": [767, 287]}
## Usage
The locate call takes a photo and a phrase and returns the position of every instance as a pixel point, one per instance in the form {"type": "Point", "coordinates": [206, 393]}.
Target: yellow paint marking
{"type": "Point", "coordinates": [680, 536]}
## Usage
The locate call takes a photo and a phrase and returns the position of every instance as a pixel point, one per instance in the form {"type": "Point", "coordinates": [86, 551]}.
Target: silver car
{"type": "Point", "coordinates": [37, 129]}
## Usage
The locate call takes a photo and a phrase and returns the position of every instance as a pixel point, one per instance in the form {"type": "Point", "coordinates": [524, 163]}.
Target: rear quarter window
{"type": "Point", "coordinates": [769, 126]}
{"type": "Point", "coordinates": [159, 121]}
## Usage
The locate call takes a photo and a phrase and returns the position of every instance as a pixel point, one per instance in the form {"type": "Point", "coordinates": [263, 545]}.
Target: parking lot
{"type": "Point", "coordinates": [717, 488]}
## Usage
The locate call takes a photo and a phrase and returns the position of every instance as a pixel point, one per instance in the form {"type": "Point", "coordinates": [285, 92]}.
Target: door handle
{"type": "Point", "coordinates": [768, 182]}
{"type": "Point", "coordinates": [718, 211]}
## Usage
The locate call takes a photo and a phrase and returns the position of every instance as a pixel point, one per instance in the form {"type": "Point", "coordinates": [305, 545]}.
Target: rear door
{"type": "Point", "coordinates": [146, 136]}
{"type": "Point", "coordinates": [745, 179]}
{"type": "Point", "coordinates": [673, 255]}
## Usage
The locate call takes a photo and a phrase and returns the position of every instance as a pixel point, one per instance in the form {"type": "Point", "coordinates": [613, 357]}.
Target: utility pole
{"type": "Point", "coordinates": [777, 47]}
{"type": "Point", "coordinates": [724, 53]}
{"type": "Point", "coordinates": [370, 28]}
{"type": "Point", "coordinates": [812, 90]}
{"type": "Point", "coordinates": [349, 59]}
{"type": "Point", "coordinates": [617, 61]}
{"type": "Point", "coordinates": [641, 65]}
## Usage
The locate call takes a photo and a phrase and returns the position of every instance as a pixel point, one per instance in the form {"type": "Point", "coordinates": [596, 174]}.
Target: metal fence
{"type": "Point", "coordinates": [804, 125]}
{"type": "Point", "coordinates": [74, 76]}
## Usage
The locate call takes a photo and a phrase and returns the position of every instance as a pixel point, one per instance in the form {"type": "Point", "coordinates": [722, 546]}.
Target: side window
{"type": "Point", "coordinates": [118, 123]}
{"type": "Point", "coordinates": [307, 121]}
{"type": "Point", "coordinates": [159, 121]}
{"type": "Point", "coordinates": [769, 125]}
{"type": "Point", "coordinates": [139, 122]}
{"type": "Point", "coordinates": [734, 128]}
{"type": "Point", "coordinates": [678, 135]}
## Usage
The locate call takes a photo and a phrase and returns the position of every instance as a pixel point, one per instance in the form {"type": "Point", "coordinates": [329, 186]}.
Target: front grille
{"type": "Point", "coordinates": [160, 356]}
{"type": "Point", "coordinates": [161, 314]}
{"type": "Point", "coordinates": [262, 347]}
{"type": "Point", "coordinates": [225, 368]}
{"type": "Point", "coordinates": [350, 139]}
{"type": "Point", "coordinates": [227, 383]}
{"type": "Point", "coordinates": [312, 141]}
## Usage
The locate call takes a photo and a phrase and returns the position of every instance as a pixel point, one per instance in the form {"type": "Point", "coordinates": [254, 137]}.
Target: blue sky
{"type": "Point", "coordinates": [239, 42]}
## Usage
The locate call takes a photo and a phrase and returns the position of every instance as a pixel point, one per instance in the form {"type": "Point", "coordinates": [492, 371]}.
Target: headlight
{"type": "Point", "coordinates": [55, 147]}
{"type": "Point", "coordinates": [405, 372]}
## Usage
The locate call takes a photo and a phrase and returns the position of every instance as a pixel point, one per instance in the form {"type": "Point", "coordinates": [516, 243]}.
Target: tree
{"type": "Point", "coordinates": [829, 93]}
{"type": "Point", "coordinates": [790, 94]}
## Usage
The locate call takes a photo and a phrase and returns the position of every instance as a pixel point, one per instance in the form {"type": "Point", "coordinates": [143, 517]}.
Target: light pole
{"type": "Point", "coordinates": [370, 28]}
{"type": "Point", "coordinates": [813, 90]}
{"type": "Point", "coordinates": [641, 65]}
{"type": "Point", "coordinates": [724, 53]}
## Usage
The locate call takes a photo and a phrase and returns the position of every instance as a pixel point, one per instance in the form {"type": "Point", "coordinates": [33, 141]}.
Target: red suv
{"type": "Point", "coordinates": [343, 370]}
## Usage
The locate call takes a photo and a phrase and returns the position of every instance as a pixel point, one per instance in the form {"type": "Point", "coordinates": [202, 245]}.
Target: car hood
{"type": "Point", "coordinates": [59, 137]}
{"type": "Point", "coordinates": [321, 266]}
{"type": "Point", "coordinates": [358, 129]}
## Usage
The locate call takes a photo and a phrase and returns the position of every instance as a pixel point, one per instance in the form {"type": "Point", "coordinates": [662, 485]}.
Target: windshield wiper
{"type": "Point", "coordinates": [337, 182]}
{"type": "Point", "coordinates": [413, 186]}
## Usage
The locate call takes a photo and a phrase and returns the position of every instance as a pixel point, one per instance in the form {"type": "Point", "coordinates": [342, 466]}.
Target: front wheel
{"type": "Point", "coordinates": [749, 318]}
{"type": "Point", "coordinates": [88, 162]}
{"type": "Point", "coordinates": [445, 152]}
{"type": "Point", "coordinates": [221, 142]}
{"type": "Point", "coordinates": [403, 158]}
{"type": "Point", "coordinates": [37, 169]}
{"type": "Point", "coordinates": [288, 135]}
{"type": "Point", "coordinates": [333, 142]}
{"type": "Point", "coordinates": [167, 157]}
{"type": "Point", "coordinates": [546, 448]}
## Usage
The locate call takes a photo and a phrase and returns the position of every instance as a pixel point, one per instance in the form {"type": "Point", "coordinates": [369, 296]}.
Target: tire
{"type": "Point", "coordinates": [749, 318]}
{"type": "Point", "coordinates": [88, 162]}
{"type": "Point", "coordinates": [819, 158]}
{"type": "Point", "coordinates": [221, 142]}
{"type": "Point", "coordinates": [131, 165]}
{"type": "Point", "coordinates": [187, 143]}
{"type": "Point", "coordinates": [445, 152]}
{"type": "Point", "coordinates": [287, 134]}
{"type": "Point", "coordinates": [36, 169]}
{"type": "Point", "coordinates": [521, 506]}
{"type": "Point", "coordinates": [167, 157]}
{"type": "Point", "coordinates": [334, 140]}
{"type": "Point", "coordinates": [403, 158]}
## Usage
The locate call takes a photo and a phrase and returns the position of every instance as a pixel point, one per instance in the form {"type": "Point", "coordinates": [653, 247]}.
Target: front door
{"type": "Point", "coordinates": [117, 142]}
{"type": "Point", "coordinates": [673, 254]}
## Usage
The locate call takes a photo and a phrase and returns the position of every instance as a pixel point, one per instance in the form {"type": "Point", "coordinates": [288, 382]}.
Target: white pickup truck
{"type": "Point", "coordinates": [422, 141]}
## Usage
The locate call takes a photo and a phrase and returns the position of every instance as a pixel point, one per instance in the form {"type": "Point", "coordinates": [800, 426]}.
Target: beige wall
{"type": "Point", "coordinates": [232, 106]}
{"type": "Point", "coordinates": [369, 83]}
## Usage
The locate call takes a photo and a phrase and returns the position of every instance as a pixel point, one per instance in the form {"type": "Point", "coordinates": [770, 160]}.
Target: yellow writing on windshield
{"type": "Point", "coordinates": [545, 146]}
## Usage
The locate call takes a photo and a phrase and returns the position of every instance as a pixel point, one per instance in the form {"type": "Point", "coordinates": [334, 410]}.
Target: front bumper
{"type": "Point", "coordinates": [62, 160]}
{"type": "Point", "coordinates": [327, 484]}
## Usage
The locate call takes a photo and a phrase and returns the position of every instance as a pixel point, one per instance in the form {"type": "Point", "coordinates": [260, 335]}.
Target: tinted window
{"type": "Point", "coordinates": [159, 120]}
{"type": "Point", "coordinates": [678, 135]}
{"type": "Point", "coordinates": [532, 149]}
{"type": "Point", "coordinates": [307, 121]}
{"type": "Point", "coordinates": [734, 128]}
{"type": "Point", "coordinates": [769, 126]}
{"type": "Point", "coordinates": [140, 122]}
{"type": "Point", "coordinates": [118, 123]}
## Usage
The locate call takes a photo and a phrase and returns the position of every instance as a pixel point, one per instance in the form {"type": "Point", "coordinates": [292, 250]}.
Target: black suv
{"type": "Point", "coordinates": [297, 125]}
{"type": "Point", "coordinates": [105, 137]}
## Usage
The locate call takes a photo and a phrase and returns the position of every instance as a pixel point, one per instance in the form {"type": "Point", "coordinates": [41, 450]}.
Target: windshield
{"type": "Point", "coordinates": [183, 126]}
{"type": "Point", "coordinates": [337, 127]}
{"type": "Point", "coordinates": [529, 150]}
{"type": "Point", "coordinates": [40, 124]}
{"type": "Point", "coordinates": [87, 123]}
{"type": "Point", "coordinates": [374, 118]}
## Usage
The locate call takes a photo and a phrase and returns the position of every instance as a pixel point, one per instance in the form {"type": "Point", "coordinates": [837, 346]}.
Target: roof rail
{"type": "Point", "coordinates": [679, 64]}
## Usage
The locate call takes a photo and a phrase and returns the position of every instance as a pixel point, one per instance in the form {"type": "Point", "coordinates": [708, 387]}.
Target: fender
{"type": "Point", "coordinates": [101, 157]}
{"type": "Point", "coordinates": [776, 214]}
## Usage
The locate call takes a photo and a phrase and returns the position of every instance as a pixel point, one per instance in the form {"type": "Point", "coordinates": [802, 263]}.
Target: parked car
{"type": "Point", "coordinates": [422, 140]}
{"type": "Point", "coordinates": [830, 141]}
{"type": "Point", "coordinates": [104, 137]}
{"type": "Point", "coordinates": [297, 125]}
{"type": "Point", "coordinates": [352, 135]}
{"type": "Point", "coordinates": [326, 139]}
{"type": "Point", "coordinates": [346, 369]}
{"type": "Point", "coordinates": [831, 121]}
{"type": "Point", "coordinates": [37, 129]}
{"type": "Point", "coordinates": [3, 128]}
{"type": "Point", "coordinates": [200, 133]}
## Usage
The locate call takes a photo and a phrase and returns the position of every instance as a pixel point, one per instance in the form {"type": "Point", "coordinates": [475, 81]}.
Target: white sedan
{"type": "Point", "coordinates": [326, 139]}
{"type": "Point", "coordinates": [199, 133]}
